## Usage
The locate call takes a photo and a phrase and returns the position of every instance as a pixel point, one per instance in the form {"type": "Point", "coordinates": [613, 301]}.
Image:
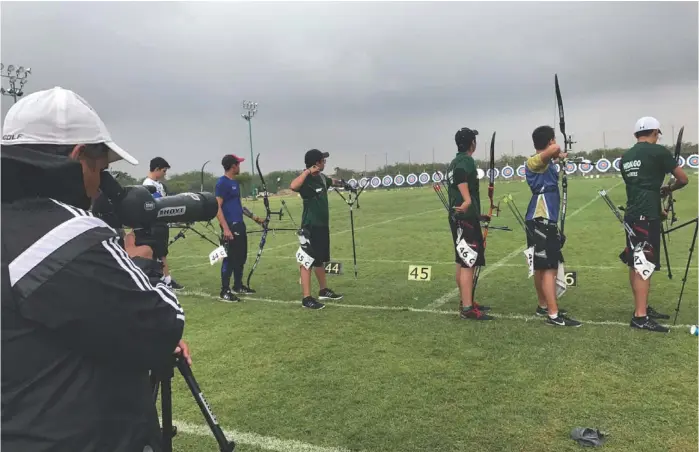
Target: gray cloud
{"type": "Point", "coordinates": [358, 78]}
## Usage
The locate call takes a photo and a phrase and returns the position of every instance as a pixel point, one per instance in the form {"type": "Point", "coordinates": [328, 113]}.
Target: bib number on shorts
{"type": "Point", "coordinates": [529, 254]}
{"type": "Point", "coordinates": [641, 264]}
{"type": "Point", "coordinates": [217, 255]}
{"type": "Point", "coordinates": [303, 258]}
{"type": "Point", "coordinates": [561, 284]}
{"type": "Point", "coordinates": [466, 253]}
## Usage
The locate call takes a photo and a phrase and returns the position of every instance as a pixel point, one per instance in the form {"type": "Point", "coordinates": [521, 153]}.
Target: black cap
{"type": "Point", "coordinates": [465, 136]}
{"type": "Point", "coordinates": [314, 156]}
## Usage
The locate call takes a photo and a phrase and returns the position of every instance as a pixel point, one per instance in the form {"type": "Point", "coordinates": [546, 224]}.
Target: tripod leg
{"type": "Point", "coordinates": [667, 256]}
{"type": "Point", "coordinates": [167, 414]}
{"type": "Point", "coordinates": [354, 250]}
{"type": "Point", "coordinates": [223, 443]}
{"type": "Point", "coordinates": [686, 270]}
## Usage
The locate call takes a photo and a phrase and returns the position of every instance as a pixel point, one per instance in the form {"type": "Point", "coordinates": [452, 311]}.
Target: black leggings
{"type": "Point", "coordinates": [237, 251]}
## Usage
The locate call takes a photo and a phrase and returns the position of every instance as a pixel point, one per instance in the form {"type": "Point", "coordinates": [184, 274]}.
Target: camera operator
{"type": "Point", "coordinates": [82, 325]}
{"type": "Point", "coordinates": [158, 234]}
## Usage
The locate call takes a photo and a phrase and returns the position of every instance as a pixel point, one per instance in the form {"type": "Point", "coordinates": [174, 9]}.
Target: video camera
{"type": "Point", "coordinates": [134, 206]}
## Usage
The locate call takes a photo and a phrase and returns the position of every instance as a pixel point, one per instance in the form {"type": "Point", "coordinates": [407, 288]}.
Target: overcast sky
{"type": "Point", "coordinates": [356, 78]}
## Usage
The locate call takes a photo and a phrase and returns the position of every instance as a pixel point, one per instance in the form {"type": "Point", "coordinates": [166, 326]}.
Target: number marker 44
{"type": "Point", "coordinates": [217, 255]}
{"type": "Point", "coordinates": [419, 273]}
{"type": "Point", "coordinates": [333, 268]}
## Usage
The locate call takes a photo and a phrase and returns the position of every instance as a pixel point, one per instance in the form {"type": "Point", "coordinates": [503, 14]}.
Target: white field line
{"type": "Point", "coordinates": [198, 293]}
{"type": "Point", "coordinates": [254, 251]}
{"type": "Point", "coordinates": [490, 268]}
{"type": "Point", "coordinates": [253, 439]}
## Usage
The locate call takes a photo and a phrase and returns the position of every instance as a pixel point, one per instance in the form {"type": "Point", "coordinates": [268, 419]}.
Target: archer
{"type": "Point", "coordinates": [541, 223]}
{"type": "Point", "coordinates": [233, 231]}
{"type": "Point", "coordinates": [465, 223]}
{"type": "Point", "coordinates": [643, 168]}
{"type": "Point", "coordinates": [314, 235]}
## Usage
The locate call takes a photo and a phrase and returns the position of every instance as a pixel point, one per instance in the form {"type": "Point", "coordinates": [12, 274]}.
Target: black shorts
{"type": "Point", "coordinates": [646, 231]}
{"type": "Point", "coordinates": [547, 244]}
{"type": "Point", "coordinates": [157, 237]}
{"type": "Point", "coordinates": [472, 234]}
{"type": "Point", "coordinates": [320, 244]}
{"type": "Point", "coordinates": [236, 249]}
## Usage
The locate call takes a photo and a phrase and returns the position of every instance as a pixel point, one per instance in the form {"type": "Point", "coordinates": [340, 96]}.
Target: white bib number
{"type": "Point", "coordinates": [303, 258]}
{"type": "Point", "coordinates": [529, 254]}
{"type": "Point", "coordinates": [561, 285]}
{"type": "Point", "coordinates": [641, 264]}
{"type": "Point", "coordinates": [466, 253]}
{"type": "Point", "coordinates": [217, 255]}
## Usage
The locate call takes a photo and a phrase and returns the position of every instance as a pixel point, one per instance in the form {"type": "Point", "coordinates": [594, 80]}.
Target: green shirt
{"type": "Point", "coordinates": [643, 168]}
{"type": "Point", "coordinates": [314, 193]}
{"type": "Point", "coordinates": [463, 170]}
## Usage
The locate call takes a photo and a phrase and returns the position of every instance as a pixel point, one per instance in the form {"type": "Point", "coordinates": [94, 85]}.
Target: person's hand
{"type": "Point", "coordinates": [183, 348]}
{"type": "Point", "coordinates": [227, 235]}
{"type": "Point", "coordinates": [663, 214]}
{"type": "Point", "coordinates": [665, 190]}
{"type": "Point", "coordinates": [133, 250]}
{"type": "Point", "coordinates": [462, 208]}
{"type": "Point", "coordinates": [562, 155]}
{"type": "Point", "coordinates": [258, 220]}
{"type": "Point", "coordinates": [314, 170]}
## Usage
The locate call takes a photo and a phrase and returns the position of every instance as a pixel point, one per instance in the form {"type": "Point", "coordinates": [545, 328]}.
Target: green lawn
{"type": "Point", "coordinates": [392, 368]}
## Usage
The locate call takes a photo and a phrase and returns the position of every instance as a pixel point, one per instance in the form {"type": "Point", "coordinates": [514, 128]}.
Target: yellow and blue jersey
{"type": "Point", "coordinates": [543, 182]}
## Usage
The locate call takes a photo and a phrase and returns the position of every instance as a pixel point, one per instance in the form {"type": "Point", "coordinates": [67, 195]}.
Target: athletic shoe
{"type": "Point", "coordinates": [653, 314]}
{"type": "Point", "coordinates": [328, 294]}
{"type": "Point", "coordinates": [473, 313]}
{"type": "Point", "coordinates": [243, 290]}
{"type": "Point", "coordinates": [174, 285]}
{"type": "Point", "coordinates": [541, 312]}
{"type": "Point", "coordinates": [646, 323]}
{"type": "Point", "coordinates": [228, 296]}
{"type": "Point", "coordinates": [562, 320]}
{"type": "Point", "coordinates": [480, 307]}
{"type": "Point", "coordinates": [311, 303]}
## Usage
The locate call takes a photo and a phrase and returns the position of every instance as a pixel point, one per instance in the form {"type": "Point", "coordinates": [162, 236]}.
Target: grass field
{"type": "Point", "coordinates": [392, 368]}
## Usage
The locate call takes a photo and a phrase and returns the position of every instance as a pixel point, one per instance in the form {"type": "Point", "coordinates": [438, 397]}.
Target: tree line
{"type": "Point", "coordinates": [191, 181]}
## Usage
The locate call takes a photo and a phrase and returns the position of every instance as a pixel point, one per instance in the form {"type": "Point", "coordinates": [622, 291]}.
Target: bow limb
{"type": "Point", "coordinates": [567, 148]}
{"type": "Point", "coordinates": [491, 191]}
{"type": "Point", "coordinates": [265, 224]}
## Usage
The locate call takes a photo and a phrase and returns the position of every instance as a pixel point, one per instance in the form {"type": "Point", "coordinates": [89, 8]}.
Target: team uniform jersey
{"type": "Point", "coordinates": [232, 207]}
{"type": "Point", "coordinates": [159, 188]}
{"type": "Point", "coordinates": [316, 217]}
{"type": "Point", "coordinates": [82, 325]}
{"type": "Point", "coordinates": [643, 168]}
{"type": "Point", "coordinates": [463, 170]}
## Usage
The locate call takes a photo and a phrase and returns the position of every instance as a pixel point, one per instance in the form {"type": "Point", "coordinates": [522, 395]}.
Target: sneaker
{"type": "Point", "coordinates": [646, 323]}
{"type": "Point", "coordinates": [542, 312]}
{"type": "Point", "coordinates": [243, 290]}
{"type": "Point", "coordinates": [311, 303]}
{"type": "Point", "coordinates": [653, 314]}
{"type": "Point", "coordinates": [480, 307]}
{"type": "Point", "coordinates": [228, 296]}
{"type": "Point", "coordinates": [562, 320]}
{"type": "Point", "coordinates": [474, 313]}
{"type": "Point", "coordinates": [174, 285]}
{"type": "Point", "coordinates": [328, 294]}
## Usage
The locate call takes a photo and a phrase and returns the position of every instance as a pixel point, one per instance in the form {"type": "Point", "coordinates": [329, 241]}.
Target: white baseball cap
{"type": "Point", "coordinates": [647, 123]}
{"type": "Point", "coordinates": [58, 116]}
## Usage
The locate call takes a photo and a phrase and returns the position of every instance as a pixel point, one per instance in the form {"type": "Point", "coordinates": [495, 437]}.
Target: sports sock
{"type": "Point", "coordinates": [167, 279]}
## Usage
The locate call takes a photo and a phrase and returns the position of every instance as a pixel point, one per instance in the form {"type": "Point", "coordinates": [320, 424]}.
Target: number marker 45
{"type": "Point", "coordinates": [419, 273]}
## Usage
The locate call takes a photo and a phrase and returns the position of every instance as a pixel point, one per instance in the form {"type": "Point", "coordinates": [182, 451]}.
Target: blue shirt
{"type": "Point", "coordinates": [543, 182]}
{"type": "Point", "coordinates": [229, 191]}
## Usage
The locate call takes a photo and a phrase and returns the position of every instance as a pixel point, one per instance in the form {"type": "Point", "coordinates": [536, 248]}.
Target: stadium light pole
{"type": "Point", "coordinates": [250, 111]}
{"type": "Point", "coordinates": [16, 76]}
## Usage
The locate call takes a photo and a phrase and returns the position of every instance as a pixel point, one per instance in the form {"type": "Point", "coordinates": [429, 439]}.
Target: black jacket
{"type": "Point", "coordinates": [81, 327]}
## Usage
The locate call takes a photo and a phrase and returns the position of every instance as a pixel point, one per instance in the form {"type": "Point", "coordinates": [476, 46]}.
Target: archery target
{"type": "Point", "coordinates": [411, 179]}
{"type": "Point", "coordinates": [585, 167]}
{"type": "Point", "coordinates": [496, 172]}
{"type": "Point", "coordinates": [352, 182]}
{"type": "Point", "coordinates": [481, 173]}
{"type": "Point", "coordinates": [521, 172]}
{"type": "Point", "coordinates": [387, 181]}
{"type": "Point", "coordinates": [399, 180]}
{"type": "Point", "coordinates": [363, 182]}
{"type": "Point", "coordinates": [437, 176]}
{"type": "Point", "coordinates": [375, 181]}
{"type": "Point", "coordinates": [603, 165]}
{"type": "Point", "coordinates": [507, 172]}
{"type": "Point", "coordinates": [693, 161]}
{"type": "Point", "coordinates": [558, 167]}
{"type": "Point", "coordinates": [571, 168]}
{"type": "Point", "coordinates": [424, 178]}
{"type": "Point", "coordinates": [681, 161]}
{"type": "Point", "coordinates": [616, 164]}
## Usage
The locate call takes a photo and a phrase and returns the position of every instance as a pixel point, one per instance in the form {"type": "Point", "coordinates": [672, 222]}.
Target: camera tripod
{"type": "Point", "coordinates": [164, 380]}
{"type": "Point", "coordinates": [689, 259]}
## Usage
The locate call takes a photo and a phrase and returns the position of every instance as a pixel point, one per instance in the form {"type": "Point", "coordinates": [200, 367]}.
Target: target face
{"type": "Point", "coordinates": [571, 168]}
{"type": "Point", "coordinates": [616, 164]}
{"type": "Point", "coordinates": [399, 180]}
{"type": "Point", "coordinates": [387, 181]}
{"type": "Point", "coordinates": [496, 173]}
{"type": "Point", "coordinates": [481, 173]}
{"type": "Point", "coordinates": [352, 182]}
{"type": "Point", "coordinates": [681, 161]}
{"type": "Point", "coordinates": [375, 181]}
{"type": "Point", "coordinates": [603, 165]}
{"type": "Point", "coordinates": [507, 172]}
{"type": "Point", "coordinates": [558, 168]}
{"type": "Point", "coordinates": [363, 182]}
{"type": "Point", "coordinates": [424, 178]}
{"type": "Point", "coordinates": [585, 168]}
{"type": "Point", "coordinates": [521, 171]}
{"type": "Point", "coordinates": [411, 179]}
{"type": "Point", "coordinates": [693, 161]}
{"type": "Point", "coordinates": [437, 176]}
